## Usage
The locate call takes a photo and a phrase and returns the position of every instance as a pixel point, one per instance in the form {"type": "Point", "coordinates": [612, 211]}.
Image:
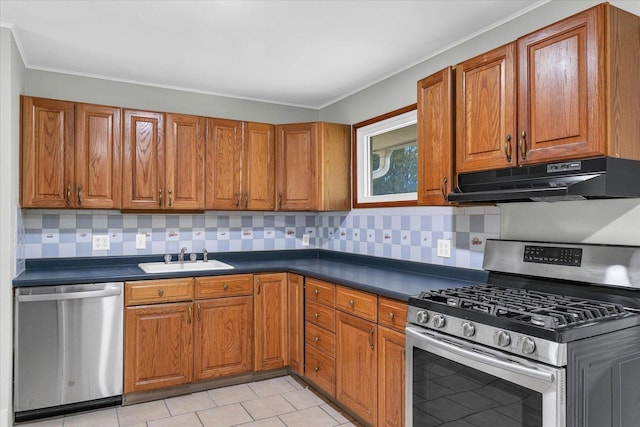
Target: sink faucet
{"type": "Point", "coordinates": [181, 254]}
{"type": "Point", "coordinates": [204, 255]}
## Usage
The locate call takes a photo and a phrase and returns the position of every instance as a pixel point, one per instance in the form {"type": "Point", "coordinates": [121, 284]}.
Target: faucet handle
{"type": "Point", "coordinates": [167, 258]}
{"type": "Point", "coordinates": [204, 255]}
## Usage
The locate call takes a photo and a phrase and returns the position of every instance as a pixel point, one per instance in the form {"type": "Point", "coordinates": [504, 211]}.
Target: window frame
{"type": "Point", "coordinates": [357, 176]}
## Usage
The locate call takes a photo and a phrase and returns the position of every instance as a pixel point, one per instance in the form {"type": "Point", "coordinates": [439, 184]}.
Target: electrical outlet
{"type": "Point", "coordinates": [444, 248]}
{"type": "Point", "coordinates": [101, 242]}
{"type": "Point", "coordinates": [305, 240]}
{"type": "Point", "coordinates": [141, 240]}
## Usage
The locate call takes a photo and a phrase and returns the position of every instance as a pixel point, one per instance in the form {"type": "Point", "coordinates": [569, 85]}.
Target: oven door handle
{"type": "Point", "coordinates": [483, 358]}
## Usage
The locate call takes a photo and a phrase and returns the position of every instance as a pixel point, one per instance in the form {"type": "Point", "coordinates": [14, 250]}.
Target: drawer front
{"type": "Point", "coordinates": [158, 291]}
{"type": "Point", "coordinates": [321, 315]}
{"type": "Point", "coordinates": [320, 292]}
{"type": "Point", "coordinates": [321, 369]}
{"type": "Point", "coordinates": [320, 339]}
{"type": "Point", "coordinates": [224, 286]}
{"type": "Point", "coordinates": [358, 303]}
{"type": "Point", "coordinates": [392, 313]}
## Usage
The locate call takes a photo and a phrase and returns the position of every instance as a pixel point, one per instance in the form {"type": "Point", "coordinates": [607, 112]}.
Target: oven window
{"type": "Point", "coordinates": [446, 393]}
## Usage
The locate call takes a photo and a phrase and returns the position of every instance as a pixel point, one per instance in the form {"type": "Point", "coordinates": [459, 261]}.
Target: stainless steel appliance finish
{"type": "Point", "coordinates": [68, 347]}
{"type": "Point", "coordinates": [593, 178]}
{"type": "Point", "coordinates": [526, 348]}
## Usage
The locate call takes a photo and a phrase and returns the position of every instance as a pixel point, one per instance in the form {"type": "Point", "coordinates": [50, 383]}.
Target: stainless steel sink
{"type": "Point", "coordinates": [173, 267]}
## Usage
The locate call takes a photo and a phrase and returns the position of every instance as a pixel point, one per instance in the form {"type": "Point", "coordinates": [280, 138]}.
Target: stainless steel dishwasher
{"type": "Point", "coordinates": [68, 348]}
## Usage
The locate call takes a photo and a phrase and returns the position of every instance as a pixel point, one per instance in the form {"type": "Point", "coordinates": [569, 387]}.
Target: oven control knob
{"type": "Point", "coordinates": [468, 330]}
{"type": "Point", "coordinates": [422, 316]}
{"type": "Point", "coordinates": [439, 321]}
{"type": "Point", "coordinates": [502, 338]}
{"type": "Point", "coordinates": [528, 345]}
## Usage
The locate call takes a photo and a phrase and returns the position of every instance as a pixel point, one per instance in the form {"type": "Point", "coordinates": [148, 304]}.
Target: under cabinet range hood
{"type": "Point", "coordinates": [594, 178]}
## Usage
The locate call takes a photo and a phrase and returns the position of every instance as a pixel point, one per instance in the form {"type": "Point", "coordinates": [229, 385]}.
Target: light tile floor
{"type": "Point", "coordinates": [279, 401]}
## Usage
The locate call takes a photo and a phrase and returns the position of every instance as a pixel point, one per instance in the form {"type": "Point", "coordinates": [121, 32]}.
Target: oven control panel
{"type": "Point", "coordinates": [553, 255]}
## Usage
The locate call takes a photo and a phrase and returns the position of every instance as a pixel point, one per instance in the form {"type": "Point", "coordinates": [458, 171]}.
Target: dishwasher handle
{"type": "Point", "coordinates": [63, 296]}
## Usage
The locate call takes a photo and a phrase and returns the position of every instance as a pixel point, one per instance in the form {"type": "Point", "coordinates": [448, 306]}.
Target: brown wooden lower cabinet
{"type": "Point", "coordinates": [270, 299]}
{"type": "Point", "coordinates": [295, 319]}
{"type": "Point", "coordinates": [357, 365]}
{"type": "Point", "coordinates": [223, 331]}
{"type": "Point", "coordinates": [391, 377]}
{"type": "Point", "coordinates": [321, 369]}
{"type": "Point", "coordinates": [158, 349]}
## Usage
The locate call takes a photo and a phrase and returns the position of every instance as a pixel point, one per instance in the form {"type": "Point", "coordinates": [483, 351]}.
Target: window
{"type": "Point", "coordinates": [386, 160]}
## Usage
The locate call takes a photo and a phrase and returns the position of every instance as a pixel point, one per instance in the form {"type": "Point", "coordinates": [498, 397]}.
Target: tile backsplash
{"type": "Point", "coordinates": [401, 233]}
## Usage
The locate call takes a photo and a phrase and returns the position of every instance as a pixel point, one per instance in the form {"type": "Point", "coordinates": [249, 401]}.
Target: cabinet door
{"type": "Point", "coordinates": [258, 176]}
{"type": "Point", "coordinates": [357, 365]}
{"type": "Point", "coordinates": [47, 153]}
{"type": "Point", "coordinates": [143, 161]}
{"type": "Point", "coordinates": [158, 350]}
{"type": "Point", "coordinates": [296, 176]}
{"type": "Point", "coordinates": [223, 331]}
{"type": "Point", "coordinates": [391, 377]}
{"type": "Point", "coordinates": [435, 138]}
{"type": "Point", "coordinates": [295, 328]}
{"type": "Point", "coordinates": [224, 160]}
{"type": "Point", "coordinates": [184, 170]}
{"type": "Point", "coordinates": [98, 157]}
{"type": "Point", "coordinates": [485, 111]}
{"type": "Point", "coordinates": [270, 298]}
{"type": "Point", "coordinates": [561, 104]}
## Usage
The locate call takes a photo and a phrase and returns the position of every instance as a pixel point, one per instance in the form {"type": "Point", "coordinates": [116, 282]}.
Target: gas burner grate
{"type": "Point", "coordinates": [550, 311]}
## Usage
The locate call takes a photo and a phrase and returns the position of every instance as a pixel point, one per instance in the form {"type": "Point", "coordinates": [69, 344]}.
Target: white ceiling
{"type": "Point", "coordinates": [305, 53]}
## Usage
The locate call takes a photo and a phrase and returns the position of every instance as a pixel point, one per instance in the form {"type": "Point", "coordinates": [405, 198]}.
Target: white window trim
{"type": "Point", "coordinates": [363, 161]}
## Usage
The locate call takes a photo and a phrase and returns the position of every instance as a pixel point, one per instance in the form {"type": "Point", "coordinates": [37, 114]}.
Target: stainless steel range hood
{"type": "Point", "coordinates": [595, 178]}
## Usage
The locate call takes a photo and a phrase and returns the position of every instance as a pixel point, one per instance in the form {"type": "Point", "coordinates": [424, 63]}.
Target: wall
{"type": "Point", "coordinates": [11, 85]}
{"type": "Point", "coordinates": [92, 90]}
{"type": "Point", "coordinates": [401, 233]}
{"type": "Point", "coordinates": [615, 222]}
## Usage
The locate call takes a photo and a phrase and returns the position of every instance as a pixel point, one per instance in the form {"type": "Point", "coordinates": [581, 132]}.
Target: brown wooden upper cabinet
{"type": "Point", "coordinates": [163, 166]}
{"type": "Point", "coordinates": [240, 172]}
{"type": "Point", "coordinates": [313, 167]}
{"type": "Point", "coordinates": [577, 94]}
{"type": "Point", "coordinates": [435, 138]}
{"type": "Point", "coordinates": [71, 155]}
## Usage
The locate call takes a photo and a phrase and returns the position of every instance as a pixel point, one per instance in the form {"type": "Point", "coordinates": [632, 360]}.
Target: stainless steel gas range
{"type": "Point", "coordinates": [552, 340]}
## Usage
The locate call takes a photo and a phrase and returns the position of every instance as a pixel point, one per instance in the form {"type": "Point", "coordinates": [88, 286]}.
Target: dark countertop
{"type": "Point", "coordinates": [387, 277]}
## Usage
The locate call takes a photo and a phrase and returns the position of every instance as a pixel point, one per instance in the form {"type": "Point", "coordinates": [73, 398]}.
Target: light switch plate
{"type": "Point", "coordinates": [305, 240]}
{"type": "Point", "coordinates": [141, 241]}
{"type": "Point", "coordinates": [444, 248]}
{"type": "Point", "coordinates": [101, 242]}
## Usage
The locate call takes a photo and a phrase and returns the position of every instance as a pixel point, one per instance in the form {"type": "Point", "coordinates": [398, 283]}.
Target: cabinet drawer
{"type": "Point", "coordinates": [392, 313]}
{"type": "Point", "coordinates": [158, 291]}
{"type": "Point", "coordinates": [224, 286]}
{"type": "Point", "coordinates": [320, 292]}
{"type": "Point", "coordinates": [321, 369]}
{"type": "Point", "coordinates": [358, 303]}
{"type": "Point", "coordinates": [320, 339]}
{"type": "Point", "coordinates": [321, 315]}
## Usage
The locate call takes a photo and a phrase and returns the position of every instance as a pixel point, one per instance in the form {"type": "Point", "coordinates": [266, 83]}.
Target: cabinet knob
{"type": "Point", "coordinates": [225, 287]}
{"type": "Point", "coordinates": [316, 369]}
{"type": "Point", "coordinates": [317, 338]}
{"type": "Point", "coordinates": [351, 303]}
{"type": "Point", "coordinates": [392, 316]}
{"type": "Point", "coordinates": [316, 315]}
{"type": "Point", "coordinates": [316, 292]}
{"type": "Point", "coordinates": [161, 292]}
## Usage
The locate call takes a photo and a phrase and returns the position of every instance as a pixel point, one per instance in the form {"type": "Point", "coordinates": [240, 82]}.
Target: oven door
{"type": "Point", "coordinates": [449, 380]}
